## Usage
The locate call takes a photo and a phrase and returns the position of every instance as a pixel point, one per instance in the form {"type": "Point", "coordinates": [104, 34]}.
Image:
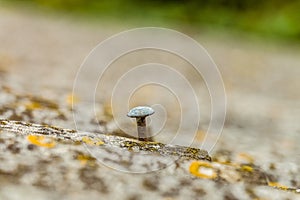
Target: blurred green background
{"type": "Point", "coordinates": [274, 19]}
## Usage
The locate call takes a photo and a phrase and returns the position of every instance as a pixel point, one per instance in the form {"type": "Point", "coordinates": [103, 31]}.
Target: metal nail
{"type": "Point", "coordinates": [140, 113]}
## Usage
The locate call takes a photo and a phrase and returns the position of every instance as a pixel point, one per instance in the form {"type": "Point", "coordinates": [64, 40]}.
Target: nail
{"type": "Point", "coordinates": [140, 113]}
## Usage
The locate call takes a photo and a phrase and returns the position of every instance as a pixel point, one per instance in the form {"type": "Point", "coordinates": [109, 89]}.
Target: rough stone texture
{"type": "Point", "coordinates": [257, 156]}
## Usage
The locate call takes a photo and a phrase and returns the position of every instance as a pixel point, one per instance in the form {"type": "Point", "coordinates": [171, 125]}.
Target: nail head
{"type": "Point", "coordinates": [140, 111]}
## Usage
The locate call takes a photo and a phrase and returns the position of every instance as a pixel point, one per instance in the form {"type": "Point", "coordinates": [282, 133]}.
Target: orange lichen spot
{"type": "Point", "coordinates": [246, 168]}
{"type": "Point", "coordinates": [278, 185]}
{"type": "Point", "coordinates": [33, 106]}
{"type": "Point", "coordinates": [72, 99]}
{"type": "Point", "coordinates": [41, 141]}
{"type": "Point", "coordinates": [86, 159]}
{"type": "Point", "coordinates": [202, 170]}
{"type": "Point", "coordinates": [90, 141]}
{"type": "Point", "coordinates": [246, 157]}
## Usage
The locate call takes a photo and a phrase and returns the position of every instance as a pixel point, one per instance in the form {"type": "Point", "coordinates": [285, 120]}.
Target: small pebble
{"type": "Point", "coordinates": [136, 149]}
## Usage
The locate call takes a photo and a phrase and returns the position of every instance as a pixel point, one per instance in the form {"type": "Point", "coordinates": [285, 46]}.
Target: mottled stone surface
{"type": "Point", "coordinates": [53, 163]}
{"type": "Point", "coordinates": [56, 161]}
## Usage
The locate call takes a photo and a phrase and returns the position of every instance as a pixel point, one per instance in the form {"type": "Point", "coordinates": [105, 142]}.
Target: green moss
{"type": "Point", "coordinates": [274, 19]}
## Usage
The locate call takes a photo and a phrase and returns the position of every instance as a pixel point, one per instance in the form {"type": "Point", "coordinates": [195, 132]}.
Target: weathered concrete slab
{"type": "Point", "coordinates": [53, 162]}
{"type": "Point", "coordinates": [43, 156]}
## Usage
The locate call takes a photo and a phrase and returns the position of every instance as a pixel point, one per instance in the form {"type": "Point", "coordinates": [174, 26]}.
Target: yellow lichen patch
{"type": "Point", "coordinates": [86, 159]}
{"type": "Point", "coordinates": [87, 140]}
{"type": "Point", "coordinates": [283, 187]}
{"type": "Point", "coordinates": [99, 142]}
{"type": "Point", "coordinates": [246, 168]}
{"type": "Point", "coordinates": [41, 141]}
{"type": "Point", "coordinates": [202, 170]}
{"type": "Point", "coordinates": [246, 157]}
{"type": "Point", "coordinates": [278, 185]}
{"type": "Point", "coordinates": [90, 141]}
{"type": "Point", "coordinates": [33, 106]}
{"type": "Point", "coordinates": [72, 99]}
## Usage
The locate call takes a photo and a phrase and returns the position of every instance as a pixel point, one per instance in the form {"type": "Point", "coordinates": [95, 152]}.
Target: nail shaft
{"type": "Point", "coordinates": [141, 128]}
